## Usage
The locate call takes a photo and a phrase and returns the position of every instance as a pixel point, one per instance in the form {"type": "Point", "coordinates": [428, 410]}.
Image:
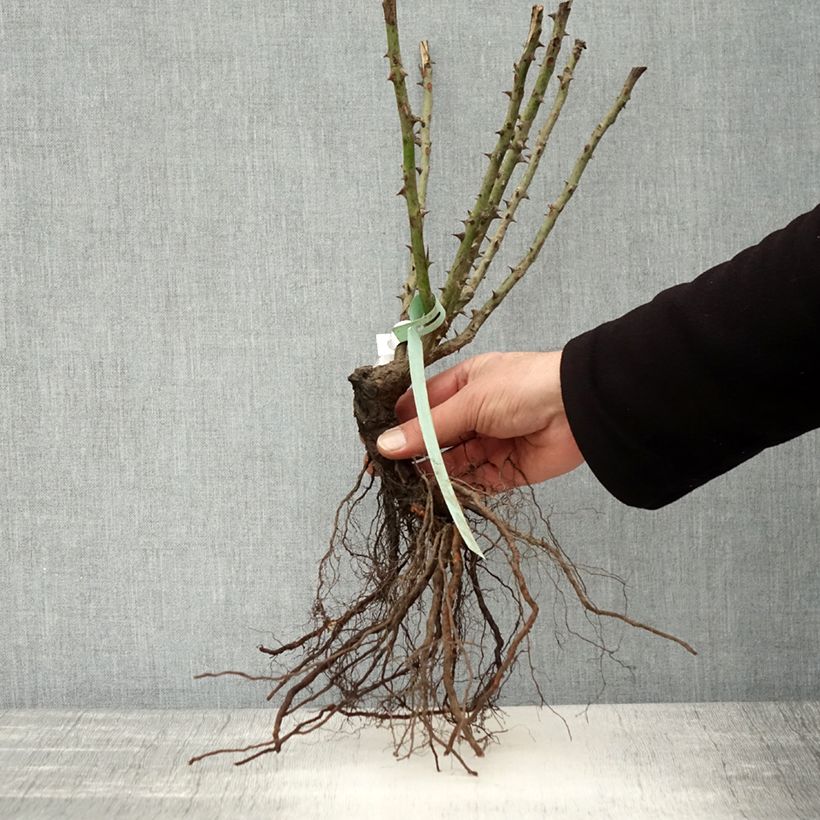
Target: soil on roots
{"type": "Point", "coordinates": [409, 629]}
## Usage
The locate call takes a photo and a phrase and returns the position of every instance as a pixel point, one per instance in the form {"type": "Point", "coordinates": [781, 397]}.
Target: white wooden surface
{"type": "Point", "coordinates": [629, 761]}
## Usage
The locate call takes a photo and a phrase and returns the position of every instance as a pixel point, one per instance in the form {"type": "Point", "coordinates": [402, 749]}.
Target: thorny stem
{"type": "Point", "coordinates": [426, 70]}
{"type": "Point", "coordinates": [424, 143]}
{"type": "Point", "coordinates": [520, 192]}
{"type": "Point", "coordinates": [522, 131]}
{"type": "Point", "coordinates": [470, 236]}
{"type": "Point", "coordinates": [512, 156]}
{"type": "Point", "coordinates": [553, 212]}
{"type": "Point", "coordinates": [409, 189]}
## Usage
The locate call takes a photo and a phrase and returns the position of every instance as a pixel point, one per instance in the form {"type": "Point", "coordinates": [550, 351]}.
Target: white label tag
{"type": "Point", "coordinates": [386, 344]}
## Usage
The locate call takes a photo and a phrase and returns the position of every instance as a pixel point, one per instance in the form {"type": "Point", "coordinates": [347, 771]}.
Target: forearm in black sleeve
{"type": "Point", "coordinates": [703, 377]}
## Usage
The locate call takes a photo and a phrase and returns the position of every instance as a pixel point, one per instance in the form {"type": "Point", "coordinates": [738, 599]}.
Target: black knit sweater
{"type": "Point", "coordinates": [703, 377]}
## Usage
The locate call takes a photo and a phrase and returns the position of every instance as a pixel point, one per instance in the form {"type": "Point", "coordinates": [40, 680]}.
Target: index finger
{"type": "Point", "coordinates": [439, 388]}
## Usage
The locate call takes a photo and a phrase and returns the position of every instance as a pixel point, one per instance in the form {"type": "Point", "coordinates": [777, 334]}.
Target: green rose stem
{"type": "Point", "coordinates": [522, 131]}
{"type": "Point", "coordinates": [469, 289]}
{"type": "Point", "coordinates": [409, 190]}
{"type": "Point", "coordinates": [478, 216]}
{"type": "Point", "coordinates": [553, 212]}
{"type": "Point", "coordinates": [423, 169]}
{"type": "Point", "coordinates": [426, 70]}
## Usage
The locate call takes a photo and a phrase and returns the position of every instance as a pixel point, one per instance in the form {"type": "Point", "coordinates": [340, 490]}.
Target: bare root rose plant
{"type": "Point", "coordinates": [433, 632]}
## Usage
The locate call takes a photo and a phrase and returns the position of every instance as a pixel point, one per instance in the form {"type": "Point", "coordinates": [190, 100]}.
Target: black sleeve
{"type": "Point", "coordinates": [703, 377]}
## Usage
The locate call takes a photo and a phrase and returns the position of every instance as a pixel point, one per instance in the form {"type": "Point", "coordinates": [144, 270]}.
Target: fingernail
{"type": "Point", "coordinates": [392, 439]}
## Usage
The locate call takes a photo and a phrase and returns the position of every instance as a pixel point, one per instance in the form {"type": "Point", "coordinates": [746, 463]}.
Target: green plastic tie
{"type": "Point", "coordinates": [411, 330]}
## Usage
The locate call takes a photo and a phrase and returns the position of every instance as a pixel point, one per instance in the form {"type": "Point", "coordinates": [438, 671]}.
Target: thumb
{"type": "Point", "coordinates": [453, 420]}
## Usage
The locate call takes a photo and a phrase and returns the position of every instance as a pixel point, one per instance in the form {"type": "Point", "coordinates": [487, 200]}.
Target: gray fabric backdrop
{"type": "Point", "coordinates": [199, 238]}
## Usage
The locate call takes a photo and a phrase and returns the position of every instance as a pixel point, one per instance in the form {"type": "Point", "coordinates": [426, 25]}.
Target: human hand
{"type": "Point", "coordinates": [503, 417]}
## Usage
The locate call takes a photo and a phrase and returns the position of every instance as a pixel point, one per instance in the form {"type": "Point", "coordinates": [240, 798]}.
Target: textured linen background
{"type": "Point", "coordinates": [199, 239]}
